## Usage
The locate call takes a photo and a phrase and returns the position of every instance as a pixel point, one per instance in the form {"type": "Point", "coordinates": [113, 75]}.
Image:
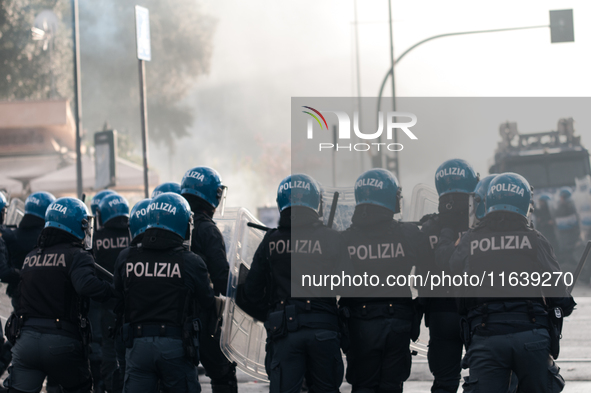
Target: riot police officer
{"type": "Point", "coordinates": [203, 189]}
{"type": "Point", "coordinates": [455, 180]}
{"type": "Point", "coordinates": [382, 323]}
{"type": "Point", "coordinates": [94, 314]}
{"type": "Point", "coordinates": [109, 241]}
{"type": "Point", "coordinates": [24, 241]}
{"type": "Point", "coordinates": [162, 284]}
{"type": "Point", "coordinates": [568, 228]}
{"type": "Point", "coordinates": [166, 187]}
{"type": "Point", "coordinates": [51, 330]}
{"type": "Point", "coordinates": [95, 202]}
{"type": "Point", "coordinates": [509, 329]}
{"type": "Point", "coordinates": [138, 223]}
{"type": "Point", "coordinates": [28, 231]}
{"type": "Point", "coordinates": [8, 273]}
{"type": "Point", "coordinates": [302, 333]}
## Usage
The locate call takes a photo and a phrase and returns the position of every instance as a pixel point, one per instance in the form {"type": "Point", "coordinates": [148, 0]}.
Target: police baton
{"type": "Point", "coordinates": [333, 209]}
{"type": "Point", "coordinates": [102, 272]}
{"type": "Point", "coordinates": [580, 266]}
{"type": "Point", "coordinates": [257, 226]}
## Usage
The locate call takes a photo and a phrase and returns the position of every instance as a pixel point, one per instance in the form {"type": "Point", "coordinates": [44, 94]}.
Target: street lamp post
{"type": "Point", "coordinates": [562, 30]}
{"type": "Point", "coordinates": [78, 96]}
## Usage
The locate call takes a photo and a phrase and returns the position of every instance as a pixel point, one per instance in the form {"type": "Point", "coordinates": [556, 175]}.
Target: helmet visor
{"type": "Point", "coordinates": [88, 227]}
{"type": "Point", "coordinates": [222, 194]}
{"type": "Point", "coordinates": [472, 206]}
{"type": "Point", "coordinates": [189, 234]}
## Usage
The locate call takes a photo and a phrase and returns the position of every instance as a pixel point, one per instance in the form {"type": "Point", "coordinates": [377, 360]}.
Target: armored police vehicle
{"type": "Point", "coordinates": [548, 160]}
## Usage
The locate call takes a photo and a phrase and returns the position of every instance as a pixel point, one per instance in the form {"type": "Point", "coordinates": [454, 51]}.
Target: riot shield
{"type": "Point", "coordinates": [15, 212]}
{"type": "Point", "coordinates": [424, 200]}
{"type": "Point", "coordinates": [243, 337]}
{"type": "Point", "coordinates": [345, 206]}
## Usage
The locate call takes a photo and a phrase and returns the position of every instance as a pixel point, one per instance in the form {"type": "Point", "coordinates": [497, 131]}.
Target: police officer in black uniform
{"type": "Point", "coordinates": [162, 284]}
{"type": "Point", "coordinates": [303, 336]}
{"type": "Point", "coordinates": [203, 189]}
{"type": "Point", "coordinates": [455, 180]}
{"type": "Point", "coordinates": [381, 323]}
{"type": "Point", "coordinates": [23, 242]}
{"type": "Point", "coordinates": [510, 328]}
{"type": "Point", "coordinates": [138, 223]}
{"type": "Point", "coordinates": [95, 312]}
{"type": "Point", "coordinates": [8, 273]}
{"type": "Point", "coordinates": [51, 330]}
{"type": "Point", "coordinates": [109, 241]}
{"type": "Point", "coordinates": [27, 233]}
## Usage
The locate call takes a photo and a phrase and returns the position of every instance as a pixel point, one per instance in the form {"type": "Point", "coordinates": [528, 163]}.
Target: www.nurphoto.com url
{"type": "Point", "coordinates": [489, 279]}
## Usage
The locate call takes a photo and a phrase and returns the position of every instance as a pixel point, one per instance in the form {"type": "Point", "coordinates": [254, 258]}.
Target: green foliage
{"type": "Point", "coordinates": [26, 70]}
{"type": "Point", "coordinates": [181, 51]}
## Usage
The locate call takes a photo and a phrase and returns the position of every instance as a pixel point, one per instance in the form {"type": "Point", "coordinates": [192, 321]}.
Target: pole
{"type": "Point", "coordinates": [77, 96]}
{"type": "Point", "coordinates": [358, 69]}
{"type": "Point", "coordinates": [334, 156]}
{"type": "Point", "coordinates": [395, 158]}
{"type": "Point", "coordinates": [441, 36]}
{"type": "Point", "coordinates": [144, 113]}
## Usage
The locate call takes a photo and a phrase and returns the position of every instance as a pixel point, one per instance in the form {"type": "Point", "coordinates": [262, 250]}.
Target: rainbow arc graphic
{"type": "Point", "coordinates": [315, 117]}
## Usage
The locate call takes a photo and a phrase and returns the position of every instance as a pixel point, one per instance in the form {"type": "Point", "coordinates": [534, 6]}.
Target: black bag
{"type": "Point", "coordinates": [13, 327]}
{"type": "Point", "coordinates": [556, 317]}
{"type": "Point", "coordinates": [275, 325]}
{"type": "Point", "coordinates": [191, 331]}
{"type": "Point", "coordinates": [86, 334]}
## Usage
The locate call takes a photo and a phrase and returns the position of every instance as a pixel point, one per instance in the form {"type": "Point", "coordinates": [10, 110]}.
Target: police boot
{"type": "Point", "coordinates": [226, 384]}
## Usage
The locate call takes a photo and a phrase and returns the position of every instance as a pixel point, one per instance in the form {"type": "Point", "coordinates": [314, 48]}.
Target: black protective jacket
{"type": "Point", "coordinates": [160, 281]}
{"type": "Point", "coordinates": [505, 241]}
{"type": "Point", "coordinates": [301, 241]}
{"type": "Point", "coordinates": [109, 241]}
{"type": "Point", "coordinates": [207, 242]}
{"type": "Point", "coordinates": [55, 277]}
{"type": "Point", "coordinates": [379, 245]}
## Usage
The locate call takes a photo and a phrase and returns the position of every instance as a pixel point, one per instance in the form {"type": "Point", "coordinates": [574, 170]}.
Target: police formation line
{"type": "Point", "coordinates": [157, 320]}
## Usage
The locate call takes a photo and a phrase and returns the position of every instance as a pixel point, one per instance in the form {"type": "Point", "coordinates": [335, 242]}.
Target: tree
{"type": "Point", "coordinates": [27, 70]}
{"type": "Point", "coordinates": [181, 51]}
{"type": "Point", "coordinates": [181, 38]}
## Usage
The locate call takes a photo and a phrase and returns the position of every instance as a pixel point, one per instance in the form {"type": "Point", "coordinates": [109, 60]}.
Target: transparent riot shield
{"type": "Point", "coordinates": [424, 200]}
{"type": "Point", "coordinates": [243, 337]}
{"type": "Point", "coordinates": [15, 212]}
{"type": "Point", "coordinates": [345, 206]}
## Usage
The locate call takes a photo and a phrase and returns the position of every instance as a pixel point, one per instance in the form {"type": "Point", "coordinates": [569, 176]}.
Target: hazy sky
{"type": "Point", "coordinates": [266, 52]}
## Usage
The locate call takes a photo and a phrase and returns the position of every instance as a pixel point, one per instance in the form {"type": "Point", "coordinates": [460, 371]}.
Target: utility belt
{"type": "Point", "coordinates": [383, 310]}
{"type": "Point", "coordinates": [404, 309]}
{"type": "Point", "coordinates": [137, 331]}
{"type": "Point", "coordinates": [280, 322]}
{"type": "Point", "coordinates": [54, 324]}
{"type": "Point", "coordinates": [81, 331]}
{"type": "Point", "coordinates": [551, 321]}
{"type": "Point", "coordinates": [483, 321]}
{"type": "Point", "coordinates": [189, 334]}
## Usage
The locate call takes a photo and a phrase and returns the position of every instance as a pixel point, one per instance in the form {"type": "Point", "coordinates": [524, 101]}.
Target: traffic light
{"type": "Point", "coordinates": [562, 26]}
